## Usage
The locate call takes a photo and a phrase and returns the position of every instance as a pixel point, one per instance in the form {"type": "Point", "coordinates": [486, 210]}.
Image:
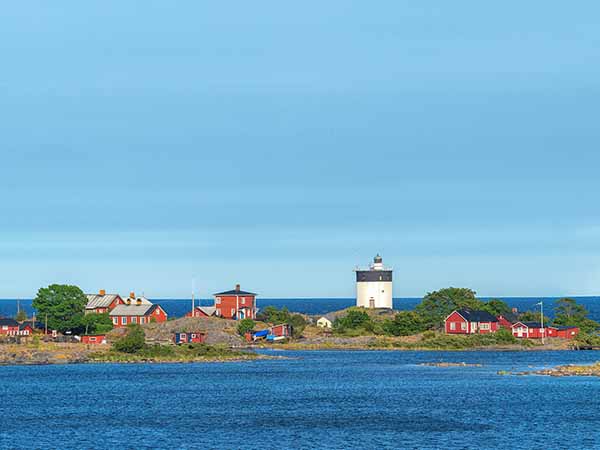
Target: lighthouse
{"type": "Point", "coordinates": [374, 285]}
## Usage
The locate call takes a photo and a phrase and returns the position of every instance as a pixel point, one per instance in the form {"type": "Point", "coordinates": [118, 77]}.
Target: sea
{"type": "Point", "coordinates": [306, 399]}
{"type": "Point", "coordinates": [311, 400]}
{"type": "Point", "coordinates": [317, 306]}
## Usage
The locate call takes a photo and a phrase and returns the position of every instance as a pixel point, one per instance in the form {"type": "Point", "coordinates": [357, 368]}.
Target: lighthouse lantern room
{"type": "Point", "coordinates": [374, 286]}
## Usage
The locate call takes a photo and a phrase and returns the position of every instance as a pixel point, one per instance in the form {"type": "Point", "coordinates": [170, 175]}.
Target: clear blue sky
{"type": "Point", "coordinates": [279, 144]}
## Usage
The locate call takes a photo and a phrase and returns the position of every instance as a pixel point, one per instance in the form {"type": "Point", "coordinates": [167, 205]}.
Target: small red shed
{"type": "Point", "coordinates": [529, 330]}
{"type": "Point", "coordinates": [93, 339]}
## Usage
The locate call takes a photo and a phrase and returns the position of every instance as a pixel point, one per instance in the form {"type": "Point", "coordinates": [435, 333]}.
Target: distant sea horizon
{"type": "Point", "coordinates": [178, 307]}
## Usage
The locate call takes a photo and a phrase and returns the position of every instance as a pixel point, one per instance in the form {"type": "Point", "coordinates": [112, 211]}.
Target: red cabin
{"type": "Point", "coordinates": [464, 321]}
{"type": "Point", "coordinates": [529, 330]}
{"type": "Point", "coordinates": [563, 332]}
{"type": "Point", "coordinates": [236, 304]}
{"type": "Point", "coordinates": [9, 327]}
{"type": "Point", "coordinates": [94, 339]}
{"type": "Point", "coordinates": [195, 337]}
{"type": "Point", "coordinates": [507, 320]}
{"type": "Point", "coordinates": [139, 313]}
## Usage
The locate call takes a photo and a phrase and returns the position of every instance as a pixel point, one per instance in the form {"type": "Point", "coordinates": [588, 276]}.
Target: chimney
{"type": "Point", "coordinates": [237, 287]}
{"type": "Point", "coordinates": [138, 301]}
{"type": "Point", "coordinates": [515, 310]}
{"type": "Point", "coordinates": [132, 295]}
{"type": "Point", "coordinates": [102, 292]}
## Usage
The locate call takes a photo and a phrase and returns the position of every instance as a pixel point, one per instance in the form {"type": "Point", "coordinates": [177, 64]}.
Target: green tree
{"type": "Point", "coordinates": [270, 314]}
{"type": "Point", "coordinates": [533, 316]}
{"type": "Point", "coordinates": [569, 312]}
{"type": "Point", "coordinates": [354, 319]}
{"type": "Point", "coordinates": [133, 341]}
{"type": "Point", "coordinates": [298, 324]}
{"type": "Point", "coordinates": [97, 323]}
{"type": "Point", "coordinates": [405, 323]}
{"type": "Point", "coordinates": [63, 305]}
{"type": "Point", "coordinates": [244, 326]}
{"type": "Point", "coordinates": [437, 305]}
{"type": "Point", "coordinates": [21, 315]}
{"type": "Point", "coordinates": [496, 307]}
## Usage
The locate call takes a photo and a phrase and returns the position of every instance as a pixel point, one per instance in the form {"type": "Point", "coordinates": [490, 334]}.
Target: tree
{"type": "Point", "coordinates": [355, 318]}
{"type": "Point", "coordinates": [21, 315]}
{"type": "Point", "coordinates": [533, 316]}
{"type": "Point", "coordinates": [63, 305]}
{"type": "Point", "coordinates": [133, 341]}
{"type": "Point", "coordinates": [270, 314]}
{"type": "Point", "coordinates": [569, 312]}
{"type": "Point", "coordinates": [244, 326]}
{"type": "Point", "coordinates": [405, 323]}
{"type": "Point", "coordinates": [97, 323]}
{"type": "Point", "coordinates": [496, 307]}
{"type": "Point", "coordinates": [437, 305]}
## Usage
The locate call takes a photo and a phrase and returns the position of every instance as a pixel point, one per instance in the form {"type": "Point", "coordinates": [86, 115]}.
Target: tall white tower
{"type": "Point", "coordinates": [374, 286]}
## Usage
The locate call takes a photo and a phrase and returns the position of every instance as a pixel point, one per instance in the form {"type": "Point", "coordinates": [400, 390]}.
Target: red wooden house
{"type": "Point", "coordinates": [102, 302]}
{"type": "Point", "coordinates": [506, 320]}
{"type": "Point", "coordinates": [9, 327]}
{"type": "Point", "coordinates": [563, 332]}
{"type": "Point", "coordinates": [138, 313]}
{"type": "Point", "coordinates": [529, 330]}
{"type": "Point", "coordinates": [465, 321]}
{"type": "Point", "coordinates": [236, 304]}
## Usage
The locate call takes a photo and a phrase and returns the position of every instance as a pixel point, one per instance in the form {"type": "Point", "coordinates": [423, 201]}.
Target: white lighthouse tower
{"type": "Point", "coordinates": [374, 286]}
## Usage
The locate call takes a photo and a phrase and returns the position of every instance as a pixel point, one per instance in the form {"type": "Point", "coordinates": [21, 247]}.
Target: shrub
{"type": "Point", "coordinates": [244, 326]}
{"type": "Point", "coordinates": [132, 342]}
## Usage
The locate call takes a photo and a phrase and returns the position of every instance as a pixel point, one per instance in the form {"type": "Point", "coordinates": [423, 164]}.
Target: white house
{"type": "Point", "coordinates": [324, 322]}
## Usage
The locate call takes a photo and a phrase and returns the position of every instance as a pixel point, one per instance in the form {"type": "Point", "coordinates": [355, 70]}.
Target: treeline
{"type": "Point", "coordinates": [429, 315]}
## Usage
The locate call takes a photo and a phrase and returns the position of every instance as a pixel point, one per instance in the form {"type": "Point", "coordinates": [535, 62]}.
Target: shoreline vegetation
{"type": "Point", "coordinates": [350, 329]}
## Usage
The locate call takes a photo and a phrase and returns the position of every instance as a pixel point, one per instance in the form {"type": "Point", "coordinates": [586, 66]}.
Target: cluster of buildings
{"type": "Point", "coordinates": [465, 321]}
{"type": "Point", "coordinates": [10, 327]}
{"type": "Point", "coordinates": [131, 310]}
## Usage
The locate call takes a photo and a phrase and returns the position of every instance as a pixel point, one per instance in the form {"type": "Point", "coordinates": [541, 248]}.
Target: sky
{"type": "Point", "coordinates": [279, 145]}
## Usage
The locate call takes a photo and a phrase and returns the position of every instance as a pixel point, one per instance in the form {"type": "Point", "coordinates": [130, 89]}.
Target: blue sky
{"type": "Point", "coordinates": [278, 145]}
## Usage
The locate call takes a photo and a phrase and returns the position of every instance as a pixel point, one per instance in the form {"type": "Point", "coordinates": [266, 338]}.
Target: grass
{"type": "Point", "coordinates": [180, 353]}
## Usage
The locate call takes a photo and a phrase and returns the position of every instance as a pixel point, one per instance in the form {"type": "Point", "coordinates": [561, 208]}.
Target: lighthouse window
{"type": "Point", "coordinates": [218, 301]}
{"type": "Point", "coordinates": [380, 278]}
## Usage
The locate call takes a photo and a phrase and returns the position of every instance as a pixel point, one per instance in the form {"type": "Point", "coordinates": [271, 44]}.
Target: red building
{"type": "Point", "coordinates": [236, 304]}
{"type": "Point", "coordinates": [102, 302]}
{"type": "Point", "coordinates": [202, 311]}
{"type": "Point", "coordinates": [464, 321]}
{"type": "Point", "coordinates": [95, 339]}
{"type": "Point", "coordinates": [567, 332]}
{"type": "Point", "coordinates": [9, 327]}
{"type": "Point", "coordinates": [529, 330]}
{"type": "Point", "coordinates": [195, 337]}
{"type": "Point", "coordinates": [137, 313]}
{"type": "Point", "coordinates": [507, 320]}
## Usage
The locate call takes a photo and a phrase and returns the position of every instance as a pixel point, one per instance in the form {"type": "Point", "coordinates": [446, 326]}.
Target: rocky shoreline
{"type": "Point", "coordinates": [570, 370]}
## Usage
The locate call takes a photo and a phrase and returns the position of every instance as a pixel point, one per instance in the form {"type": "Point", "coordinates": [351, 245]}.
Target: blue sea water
{"type": "Point", "coordinates": [316, 400]}
{"type": "Point", "coordinates": [179, 307]}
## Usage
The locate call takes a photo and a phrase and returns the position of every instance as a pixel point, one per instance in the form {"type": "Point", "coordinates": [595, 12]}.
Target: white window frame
{"type": "Point", "coordinates": [232, 311]}
{"type": "Point", "coordinates": [463, 326]}
{"type": "Point", "coordinates": [115, 320]}
{"type": "Point", "coordinates": [123, 320]}
{"type": "Point", "coordinates": [218, 301]}
{"type": "Point", "coordinates": [142, 320]}
{"type": "Point", "coordinates": [134, 320]}
{"type": "Point", "coordinates": [243, 300]}
{"type": "Point", "coordinates": [452, 326]}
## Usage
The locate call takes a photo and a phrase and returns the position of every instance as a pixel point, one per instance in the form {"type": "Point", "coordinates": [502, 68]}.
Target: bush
{"type": "Point", "coordinates": [244, 326]}
{"type": "Point", "coordinates": [405, 323]}
{"type": "Point", "coordinates": [132, 342]}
